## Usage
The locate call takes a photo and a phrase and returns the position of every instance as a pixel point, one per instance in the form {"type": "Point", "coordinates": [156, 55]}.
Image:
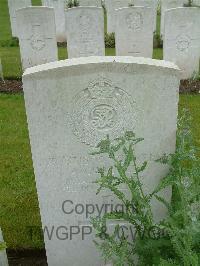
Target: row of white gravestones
{"type": "Point", "coordinates": [97, 3]}
{"type": "Point", "coordinates": [153, 4]}
{"type": "Point", "coordinates": [134, 31]}
{"type": "Point", "coordinates": [182, 39]}
{"type": "Point", "coordinates": [13, 5]}
{"type": "Point", "coordinates": [85, 34]}
{"type": "Point", "coordinates": [85, 31]}
{"type": "Point", "coordinates": [3, 256]}
{"type": "Point", "coordinates": [59, 9]}
{"type": "Point", "coordinates": [37, 35]}
{"type": "Point", "coordinates": [73, 104]}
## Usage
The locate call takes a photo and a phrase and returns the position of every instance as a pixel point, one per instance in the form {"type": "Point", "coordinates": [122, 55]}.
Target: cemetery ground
{"type": "Point", "coordinates": [10, 53]}
{"type": "Point", "coordinates": [19, 206]}
{"type": "Point", "coordinates": [10, 57]}
{"type": "Point", "coordinates": [19, 212]}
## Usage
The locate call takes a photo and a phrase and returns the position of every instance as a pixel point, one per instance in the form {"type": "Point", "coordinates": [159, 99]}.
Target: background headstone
{"type": "Point", "coordinates": [13, 5]}
{"type": "Point", "coordinates": [153, 4]}
{"type": "Point", "coordinates": [71, 105]}
{"type": "Point", "coordinates": [134, 31]}
{"type": "Point", "coordinates": [96, 3]}
{"type": "Point", "coordinates": [37, 35]}
{"type": "Point", "coordinates": [3, 256]}
{"type": "Point", "coordinates": [196, 2]}
{"type": "Point", "coordinates": [85, 31]}
{"type": "Point", "coordinates": [110, 6]}
{"type": "Point", "coordinates": [59, 9]}
{"type": "Point", "coordinates": [182, 39]}
{"type": "Point", "coordinates": [168, 4]}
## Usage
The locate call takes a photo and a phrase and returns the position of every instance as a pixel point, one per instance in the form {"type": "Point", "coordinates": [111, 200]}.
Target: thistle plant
{"type": "Point", "coordinates": [176, 240]}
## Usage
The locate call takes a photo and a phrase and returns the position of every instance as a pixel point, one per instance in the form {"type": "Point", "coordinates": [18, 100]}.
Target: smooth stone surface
{"type": "Point", "coordinates": [59, 9]}
{"type": "Point", "coordinates": [111, 5]}
{"type": "Point", "coordinates": [96, 3]}
{"type": "Point", "coordinates": [182, 39]}
{"type": "Point", "coordinates": [3, 255]}
{"type": "Point", "coordinates": [196, 2]}
{"type": "Point", "coordinates": [168, 4]}
{"type": "Point", "coordinates": [134, 31]}
{"type": "Point", "coordinates": [13, 5]}
{"type": "Point", "coordinates": [85, 31]}
{"type": "Point", "coordinates": [73, 104]}
{"type": "Point", "coordinates": [153, 4]}
{"type": "Point", "coordinates": [37, 36]}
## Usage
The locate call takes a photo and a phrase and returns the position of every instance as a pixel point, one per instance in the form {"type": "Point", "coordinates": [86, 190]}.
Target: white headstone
{"type": "Point", "coordinates": [59, 9]}
{"type": "Point", "coordinates": [168, 4]}
{"type": "Point", "coordinates": [71, 105]}
{"type": "Point", "coordinates": [13, 5]}
{"type": "Point", "coordinates": [196, 2]}
{"type": "Point", "coordinates": [37, 35]}
{"type": "Point", "coordinates": [111, 5]}
{"type": "Point", "coordinates": [85, 31]}
{"type": "Point", "coordinates": [3, 256]}
{"type": "Point", "coordinates": [96, 3]}
{"type": "Point", "coordinates": [182, 39]}
{"type": "Point", "coordinates": [153, 4]}
{"type": "Point", "coordinates": [134, 31]}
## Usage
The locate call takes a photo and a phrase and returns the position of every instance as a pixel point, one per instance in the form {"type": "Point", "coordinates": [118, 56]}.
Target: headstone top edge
{"type": "Point", "coordinates": [182, 8]}
{"type": "Point", "coordinates": [83, 7]}
{"type": "Point", "coordinates": [101, 59]}
{"type": "Point", "coordinates": [42, 8]}
{"type": "Point", "coordinates": [133, 7]}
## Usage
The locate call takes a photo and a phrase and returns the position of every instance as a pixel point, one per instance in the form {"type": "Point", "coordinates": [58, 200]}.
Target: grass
{"type": "Point", "coordinates": [192, 103]}
{"type": "Point", "coordinates": [5, 31]}
{"type": "Point", "coordinates": [10, 57]}
{"type": "Point", "coordinates": [18, 198]}
{"type": "Point", "coordinates": [19, 205]}
{"type": "Point", "coordinates": [158, 24]}
{"type": "Point", "coordinates": [11, 62]}
{"type": "Point", "coordinates": [36, 2]}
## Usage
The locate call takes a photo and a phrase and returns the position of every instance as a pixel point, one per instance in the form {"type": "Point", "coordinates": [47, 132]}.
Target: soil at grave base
{"type": "Point", "coordinates": [27, 258]}
{"type": "Point", "coordinates": [15, 86]}
{"type": "Point", "coordinates": [11, 86]}
{"type": "Point", "coordinates": [190, 86]}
